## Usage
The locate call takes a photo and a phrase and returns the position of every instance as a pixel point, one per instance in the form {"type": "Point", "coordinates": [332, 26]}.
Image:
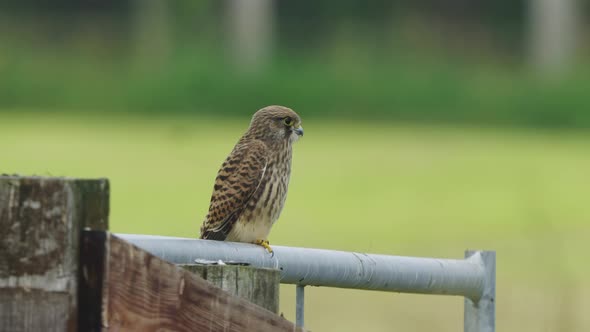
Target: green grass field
{"type": "Point", "coordinates": [362, 186]}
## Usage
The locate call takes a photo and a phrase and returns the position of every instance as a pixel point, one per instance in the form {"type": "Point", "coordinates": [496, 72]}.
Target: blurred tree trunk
{"type": "Point", "coordinates": [250, 28]}
{"type": "Point", "coordinates": [553, 27]}
{"type": "Point", "coordinates": [151, 31]}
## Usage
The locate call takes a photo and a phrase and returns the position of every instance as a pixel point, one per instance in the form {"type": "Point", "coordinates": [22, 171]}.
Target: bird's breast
{"type": "Point", "coordinates": [265, 207]}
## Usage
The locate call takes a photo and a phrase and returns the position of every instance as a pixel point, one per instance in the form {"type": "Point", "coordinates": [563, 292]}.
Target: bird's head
{"type": "Point", "coordinates": [276, 124]}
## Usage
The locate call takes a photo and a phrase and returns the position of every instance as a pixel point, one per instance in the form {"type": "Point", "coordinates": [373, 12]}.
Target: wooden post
{"type": "Point", "coordinates": [40, 223]}
{"type": "Point", "coordinates": [259, 286]}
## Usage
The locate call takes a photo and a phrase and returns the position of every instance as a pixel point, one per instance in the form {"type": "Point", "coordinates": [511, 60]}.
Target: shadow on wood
{"type": "Point", "coordinates": [125, 288]}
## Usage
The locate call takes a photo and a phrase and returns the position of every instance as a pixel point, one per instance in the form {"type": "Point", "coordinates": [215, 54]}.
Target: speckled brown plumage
{"type": "Point", "coordinates": [251, 186]}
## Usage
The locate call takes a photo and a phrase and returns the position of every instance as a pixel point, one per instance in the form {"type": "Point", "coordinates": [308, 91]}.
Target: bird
{"type": "Point", "coordinates": [251, 186]}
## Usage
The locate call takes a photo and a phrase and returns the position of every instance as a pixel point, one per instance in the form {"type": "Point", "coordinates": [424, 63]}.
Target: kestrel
{"type": "Point", "coordinates": [251, 185]}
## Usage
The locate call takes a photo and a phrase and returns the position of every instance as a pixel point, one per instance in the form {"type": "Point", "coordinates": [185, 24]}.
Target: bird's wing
{"type": "Point", "coordinates": [238, 179]}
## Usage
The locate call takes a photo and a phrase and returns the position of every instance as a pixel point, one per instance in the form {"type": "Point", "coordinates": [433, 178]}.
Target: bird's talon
{"type": "Point", "coordinates": [266, 245]}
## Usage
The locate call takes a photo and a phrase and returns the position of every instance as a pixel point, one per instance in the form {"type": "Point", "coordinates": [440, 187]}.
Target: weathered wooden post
{"type": "Point", "coordinates": [257, 285]}
{"type": "Point", "coordinates": [40, 223]}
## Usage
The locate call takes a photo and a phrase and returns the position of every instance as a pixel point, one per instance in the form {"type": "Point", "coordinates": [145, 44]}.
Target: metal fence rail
{"type": "Point", "coordinates": [473, 277]}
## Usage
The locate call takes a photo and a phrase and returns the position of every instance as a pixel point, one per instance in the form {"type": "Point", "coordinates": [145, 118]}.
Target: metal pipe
{"type": "Point", "coordinates": [480, 316]}
{"type": "Point", "coordinates": [300, 305]}
{"type": "Point", "coordinates": [318, 267]}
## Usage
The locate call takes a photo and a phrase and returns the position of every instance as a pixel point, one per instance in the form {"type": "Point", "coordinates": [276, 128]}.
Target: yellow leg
{"type": "Point", "coordinates": [265, 244]}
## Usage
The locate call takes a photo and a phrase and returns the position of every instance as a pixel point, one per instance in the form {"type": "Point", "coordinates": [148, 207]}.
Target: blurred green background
{"type": "Point", "coordinates": [430, 128]}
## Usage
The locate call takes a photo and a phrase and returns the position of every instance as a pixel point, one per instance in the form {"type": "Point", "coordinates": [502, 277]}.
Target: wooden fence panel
{"type": "Point", "coordinates": [140, 292]}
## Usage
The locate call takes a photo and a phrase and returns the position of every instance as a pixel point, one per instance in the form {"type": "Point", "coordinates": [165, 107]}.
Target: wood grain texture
{"type": "Point", "coordinates": [141, 292]}
{"type": "Point", "coordinates": [34, 310]}
{"type": "Point", "coordinates": [257, 285]}
{"type": "Point", "coordinates": [40, 220]}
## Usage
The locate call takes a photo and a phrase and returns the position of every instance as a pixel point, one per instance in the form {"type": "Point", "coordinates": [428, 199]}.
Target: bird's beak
{"type": "Point", "coordinates": [299, 131]}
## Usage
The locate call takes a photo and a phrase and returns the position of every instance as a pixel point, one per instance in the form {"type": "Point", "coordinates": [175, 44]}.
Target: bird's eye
{"type": "Point", "coordinates": [288, 121]}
